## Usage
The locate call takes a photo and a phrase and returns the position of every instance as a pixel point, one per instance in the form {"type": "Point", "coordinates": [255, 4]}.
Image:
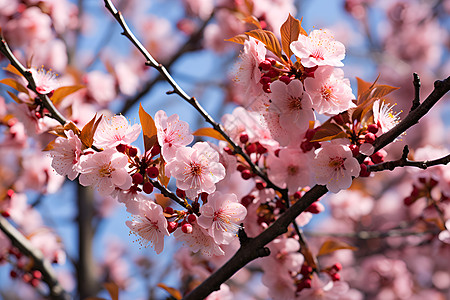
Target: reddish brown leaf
{"type": "Point", "coordinates": [50, 146]}
{"type": "Point", "coordinates": [269, 39]}
{"type": "Point", "coordinates": [209, 132]}
{"type": "Point", "coordinates": [15, 98]}
{"type": "Point", "coordinates": [88, 131]}
{"type": "Point", "coordinates": [329, 246]}
{"type": "Point", "coordinates": [112, 289]}
{"type": "Point", "coordinates": [10, 68]}
{"type": "Point", "coordinates": [62, 92]}
{"type": "Point", "coordinates": [15, 85]}
{"type": "Point", "coordinates": [239, 39]}
{"type": "Point", "coordinates": [290, 31]}
{"type": "Point", "coordinates": [172, 291]}
{"type": "Point", "coordinates": [252, 20]}
{"type": "Point", "coordinates": [328, 131]}
{"type": "Point", "coordinates": [148, 129]}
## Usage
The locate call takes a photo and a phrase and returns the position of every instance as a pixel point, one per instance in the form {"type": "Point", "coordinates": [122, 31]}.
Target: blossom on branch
{"type": "Point", "coordinates": [66, 154]}
{"type": "Point", "coordinates": [150, 225]}
{"type": "Point", "coordinates": [334, 165]}
{"type": "Point", "coordinates": [196, 169]}
{"type": "Point", "coordinates": [221, 216]}
{"type": "Point", "coordinates": [105, 170]}
{"type": "Point", "coordinates": [114, 131]}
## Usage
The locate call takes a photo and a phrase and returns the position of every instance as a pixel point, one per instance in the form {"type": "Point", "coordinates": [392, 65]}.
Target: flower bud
{"type": "Point", "coordinates": [246, 174]}
{"type": "Point", "coordinates": [243, 138]}
{"type": "Point", "coordinates": [265, 65]}
{"type": "Point", "coordinates": [191, 218]}
{"type": "Point", "coordinates": [186, 228]}
{"type": "Point", "coordinates": [370, 138]}
{"type": "Point", "coordinates": [137, 178]}
{"type": "Point", "coordinates": [152, 172]}
{"type": "Point", "coordinates": [147, 187]}
{"type": "Point", "coordinates": [172, 226]}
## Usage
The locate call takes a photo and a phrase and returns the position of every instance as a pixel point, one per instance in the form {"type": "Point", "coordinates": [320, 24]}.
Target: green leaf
{"type": "Point", "coordinates": [148, 128]}
{"type": "Point", "coordinates": [269, 39]}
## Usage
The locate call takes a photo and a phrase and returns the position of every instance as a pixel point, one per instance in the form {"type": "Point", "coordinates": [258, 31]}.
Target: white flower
{"type": "Point", "coordinates": [199, 240]}
{"type": "Point", "coordinates": [384, 116]}
{"type": "Point", "coordinates": [45, 80]}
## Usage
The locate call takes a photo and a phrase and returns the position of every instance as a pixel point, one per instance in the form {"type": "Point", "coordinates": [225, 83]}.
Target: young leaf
{"type": "Point", "coordinates": [50, 146]}
{"type": "Point", "coordinates": [252, 20]}
{"type": "Point", "coordinates": [148, 128]}
{"type": "Point", "coordinates": [60, 93]}
{"type": "Point", "coordinates": [329, 246]}
{"type": "Point", "coordinates": [10, 68]}
{"type": "Point", "coordinates": [162, 173]}
{"type": "Point", "coordinates": [328, 131]}
{"type": "Point", "coordinates": [88, 131]}
{"type": "Point", "coordinates": [172, 291]}
{"type": "Point", "coordinates": [269, 39]}
{"type": "Point", "coordinates": [15, 85]}
{"type": "Point", "coordinates": [112, 289]}
{"type": "Point", "coordinates": [209, 132]}
{"type": "Point", "coordinates": [15, 98]}
{"type": "Point", "coordinates": [290, 30]}
{"type": "Point", "coordinates": [239, 39]}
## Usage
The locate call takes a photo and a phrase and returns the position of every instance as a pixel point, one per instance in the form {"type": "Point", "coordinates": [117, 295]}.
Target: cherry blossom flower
{"type": "Point", "coordinates": [150, 225]}
{"type": "Point", "coordinates": [319, 48]}
{"type": "Point", "coordinates": [384, 116]}
{"type": "Point", "coordinates": [172, 134]}
{"type": "Point", "coordinates": [221, 216]}
{"type": "Point", "coordinates": [322, 287]}
{"type": "Point", "coordinates": [45, 81]}
{"type": "Point", "coordinates": [293, 105]}
{"type": "Point", "coordinates": [223, 294]}
{"type": "Point", "coordinates": [334, 165]}
{"type": "Point", "coordinates": [444, 235]}
{"type": "Point", "coordinates": [105, 170]}
{"type": "Point", "coordinates": [196, 169]}
{"type": "Point", "coordinates": [114, 131]}
{"type": "Point", "coordinates": [248, 73]}
{"type": "Point", "coordinates": [66, 155]}
{"type": "Point", "coordinates": [286, 252]}
{"type": "Point", "coordinates": [199, 240]}
{"type": "Point", "coordinates": [330, 91]}
{"type": "Point", "coordinates": [290, 169]}
{"type": "Point", "coordinates": [101, 87]}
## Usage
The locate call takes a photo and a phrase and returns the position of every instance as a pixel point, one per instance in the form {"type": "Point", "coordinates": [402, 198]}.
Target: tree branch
{"type": "Point", "coordinates": [48, 104]}
{"type": "Point", "coordinates": [179, 91]}
{"type": "Point", "coordinates": [405, 162]}
{"type": "Point", "coordinates": [416, 101]}
{"type": "Point", "coordinates": [40, 263]}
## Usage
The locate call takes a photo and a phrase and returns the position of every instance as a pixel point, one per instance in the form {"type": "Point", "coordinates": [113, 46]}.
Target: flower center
{"type": "Point", "coordinates": [294, 103]}
{"type": "Point", "coordinates": [317, 53]}
{"type": "Point", "coordinates": [196, 169]}
{"type": "Point", "coordinates": [292, 170]}
{"type": "Point", "coordinates": [337, 163]}
{"type": "Point", "coordinates": [327, 93]}
{"type": "Point", "coordinates": [106, 170]}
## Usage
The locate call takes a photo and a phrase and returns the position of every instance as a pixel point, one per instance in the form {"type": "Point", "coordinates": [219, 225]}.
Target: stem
{"type": "Point", "coordinates": [40, 263]}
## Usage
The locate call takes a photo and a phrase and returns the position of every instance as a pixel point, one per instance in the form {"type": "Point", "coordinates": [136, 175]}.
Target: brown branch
{"type": "Point", "coordinates": [416, 83]}
{"type": "Point", "coordinates": [150, 61]}
{"type": "Point", "coordinates": [54, 113]}
{"type": "Point", "coordinates": [405, 162]}
{"type": "Point", "coordinates": [40, 263]}
{"type": "Point", "coordinates": [166, 192]}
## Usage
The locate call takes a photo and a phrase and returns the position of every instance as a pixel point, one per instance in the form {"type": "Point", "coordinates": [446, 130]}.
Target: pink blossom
{"type": "Point", "coordinates": [293, 105]}
{"type": "Point", "coordinates": [290, 169]}
{"type": "Point", "coordinates": [199, 240]}
{"type": "Point", "coordinates": [444, 235]}
{"type": "Point", "coordinates": [334, 165]}
{"type": "Point", "coordinates": [279, 282]}
{"type": "Point", "coordinates": [50, 245]}
{"type": "Point", "coordinates": [286, 252]}
{"type": "Point", "coordinates": [150, 225]}
{"type": "Point", "coordinates": [384, 116]}
{"type": "Point", "coordinates": [105, 170]}
{"type": "Point", "coordinates": [223, 294]}
{"type": "Point", "coordinates": [221, 216]}
{"type": "Point", "coordinates": [114, 131]}
{"type": "Point", "coordinates": [351, 204]}
{"type": "Point", "coordinates": [330, 91]}
{"type": "Point", "coordinates": [66, 155]}
{"type": "Point", "coordinates": [101, 87]}
{"type": "Point", "coordinates": [248, 73]}
{"type": "Point", "coordinates": [319, 49]}
{"type": "Point", "coordinates": [172, 134]}
{"type": "Point", "coordinates": [196, 169]}
{"type": "Point", "coordinates": [45, 80]}
{"type": "Point", "coordinates": [323, 288]}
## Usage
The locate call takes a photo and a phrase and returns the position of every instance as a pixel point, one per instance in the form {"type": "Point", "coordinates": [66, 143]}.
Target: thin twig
{"type": "Point", "coordinates": [405, 162]}
{"type": "Point", "coordinates": [150, 61]}
{"type": "Point", "coordinates": [166, 192]}
{"type": "Point", "coordinates": [40, 263]}
{"type": "Point", "coordinates": [54, 113]}
{"type": "Point", "coordinates": [416, 101]}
